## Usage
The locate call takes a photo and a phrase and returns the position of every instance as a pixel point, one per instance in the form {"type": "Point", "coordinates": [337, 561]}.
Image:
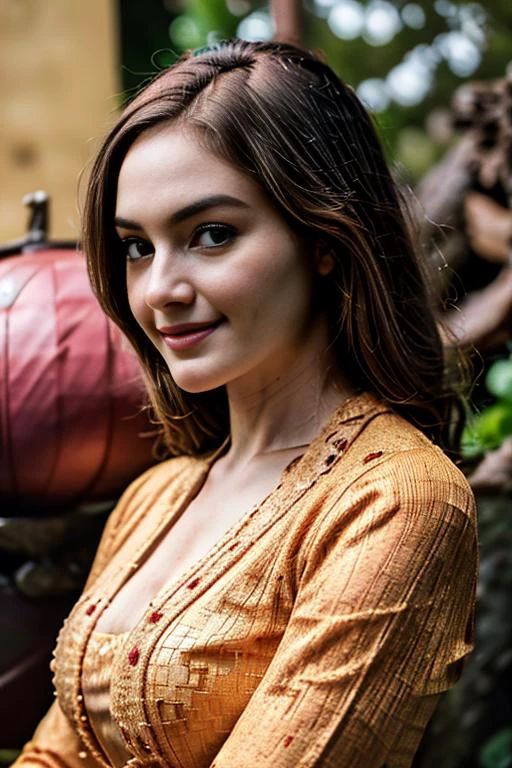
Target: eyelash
{"type": "Point", "coordinates": [230, 233]}
{"type": "Point", "coordinates": [127, 242]}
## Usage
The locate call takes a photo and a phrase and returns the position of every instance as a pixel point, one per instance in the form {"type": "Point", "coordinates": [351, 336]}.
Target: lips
{"type": "Point", "coordinates": [185, 335]}
{"type": "Point", "coordinates": [183, 328]}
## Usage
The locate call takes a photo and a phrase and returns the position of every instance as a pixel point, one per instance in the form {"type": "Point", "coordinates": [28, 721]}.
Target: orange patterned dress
{"type": "Point", "coordinates": [318, 632]}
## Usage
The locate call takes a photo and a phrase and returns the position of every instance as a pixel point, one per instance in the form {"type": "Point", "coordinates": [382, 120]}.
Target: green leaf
{"type": "Point", "coordinates": [499, 379]}
{"type": "Point", "coordinates": [497, 752]}
{"type": "Point", "coordinates": [487, 430]}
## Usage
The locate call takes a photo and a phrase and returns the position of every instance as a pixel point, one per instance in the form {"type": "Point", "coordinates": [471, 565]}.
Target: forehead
{"type": "Point", "coordinates": [169, 163]}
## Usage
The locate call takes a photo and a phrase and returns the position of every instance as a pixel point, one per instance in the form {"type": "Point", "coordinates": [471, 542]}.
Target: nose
{"type": "Point", "coordinates": [168, 281]}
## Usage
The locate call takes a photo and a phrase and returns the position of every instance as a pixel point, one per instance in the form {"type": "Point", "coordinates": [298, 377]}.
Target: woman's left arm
{"type": "Point", "coordinates": [382, 620]}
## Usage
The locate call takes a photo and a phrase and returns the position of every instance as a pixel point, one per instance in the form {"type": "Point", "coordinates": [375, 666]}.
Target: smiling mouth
{"type": "Point", "coordinates": [180, 337]}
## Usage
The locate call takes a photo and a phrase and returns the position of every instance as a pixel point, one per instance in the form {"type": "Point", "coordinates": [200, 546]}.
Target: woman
{"type": "Point", "coordinates": [295, 587]}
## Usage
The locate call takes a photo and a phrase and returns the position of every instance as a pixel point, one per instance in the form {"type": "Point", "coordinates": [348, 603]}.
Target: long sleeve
{"type": "Point", "coordinates": [54, 745]}
{"type": "Point", "coordinates": [383, 617]}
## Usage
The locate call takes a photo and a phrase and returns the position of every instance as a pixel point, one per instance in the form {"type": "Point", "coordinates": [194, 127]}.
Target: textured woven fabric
{"type": "Point", "coordinates": [319, 631]}
{"type": "Point", "coordinates": [96, 675]}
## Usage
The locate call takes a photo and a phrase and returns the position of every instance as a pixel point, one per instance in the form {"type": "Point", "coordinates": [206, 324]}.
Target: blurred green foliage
{"type": "Point", "coordinates": [154, 34]}
{"type": "Point", "coordinates": [497, 753]}
{"type": "Point", "coordinates": [355, 60]}
{"type": "Point", "coordinates": [203, 22]}
{"type": "Point", "coordinates": [487, 430]}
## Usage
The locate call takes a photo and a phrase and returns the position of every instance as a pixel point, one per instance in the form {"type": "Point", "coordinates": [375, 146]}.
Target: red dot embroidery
{"type": "Point", "coordinates": [193, 583]}
{"type": "Point", "coordinates": [233, 546]}
{"type": "Point", "coordinates": [372, 456]}
{"type": "Point", "coordinates": [133, 656]}
{"type": "Point", "coordinates": [91, 609]}
{"type": "Point", "coordinates": [155, 616]}
{"type": "Point", "coordinates": [288, 741]}
{"type": "Point", "coordinates": [340, 445]}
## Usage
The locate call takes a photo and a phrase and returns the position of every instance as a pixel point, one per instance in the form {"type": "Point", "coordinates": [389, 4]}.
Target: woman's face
{"type": "Point", "coordinates": [215, 277]}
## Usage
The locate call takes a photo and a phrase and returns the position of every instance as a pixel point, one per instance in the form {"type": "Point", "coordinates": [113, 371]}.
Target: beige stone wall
{"type": "Point", "coordinates": [59, 86]}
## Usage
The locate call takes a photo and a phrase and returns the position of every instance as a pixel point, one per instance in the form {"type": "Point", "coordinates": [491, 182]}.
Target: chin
{"type": "Point", "coordinates": [195, 382]}
{"type": "Point", "coordinates": [195, 389]}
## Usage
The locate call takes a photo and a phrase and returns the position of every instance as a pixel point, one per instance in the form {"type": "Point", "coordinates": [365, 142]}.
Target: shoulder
{"type": "Point", "coordinates": [162, 482]}
{"type": "Point", "coordinates": [392, 477]}
{"type": "Point", "coordinates": [397, 460]}
{"type": "Point", "coordinates": [159, 477]}
{"type": "Point", "coordinates": [163, 485]}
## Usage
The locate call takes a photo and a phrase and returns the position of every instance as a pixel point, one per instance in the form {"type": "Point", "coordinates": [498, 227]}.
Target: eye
{"type": "Point", "coordinates": [134, 248]}
{"type": "Point", "coordinates": [212, 236]}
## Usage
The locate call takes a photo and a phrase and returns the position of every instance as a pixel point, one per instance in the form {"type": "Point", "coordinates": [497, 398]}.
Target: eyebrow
{"type": "Point", "coordinates": [204, 204]}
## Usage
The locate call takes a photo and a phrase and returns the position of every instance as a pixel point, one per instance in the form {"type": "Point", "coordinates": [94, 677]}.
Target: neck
{"type": "Point", "coordinates": [282, 412]}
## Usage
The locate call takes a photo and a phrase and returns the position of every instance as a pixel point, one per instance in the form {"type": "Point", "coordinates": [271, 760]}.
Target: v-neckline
{"type": "Point", "coordinates": [175, 584]}
{"type": "Point", "coordinates": [319, 456]}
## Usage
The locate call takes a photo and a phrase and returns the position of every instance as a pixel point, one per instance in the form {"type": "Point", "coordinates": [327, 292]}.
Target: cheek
{"type": "Point", "coordinates": [286, 287]}
{"type": "Point", "coordinates": [278, 276]}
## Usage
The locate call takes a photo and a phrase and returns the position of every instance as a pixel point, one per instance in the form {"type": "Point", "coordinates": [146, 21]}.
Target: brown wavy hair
{"type": "Point", "coordinates": [281, 115]}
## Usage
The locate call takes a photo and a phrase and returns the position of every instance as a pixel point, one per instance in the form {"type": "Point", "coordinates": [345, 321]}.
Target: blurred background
{"type": "Point", "coordinates": [66, 68]}
{"type": "Point", "coordinates": [437, 78]}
